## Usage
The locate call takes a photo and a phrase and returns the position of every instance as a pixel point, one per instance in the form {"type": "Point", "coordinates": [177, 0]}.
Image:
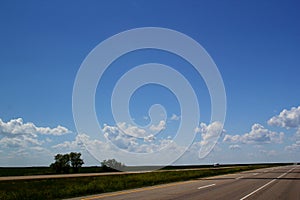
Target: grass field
{"type": "Point", "coordinates": [25, 171]}
{"type": "Point", "coordinates": [72, 187]}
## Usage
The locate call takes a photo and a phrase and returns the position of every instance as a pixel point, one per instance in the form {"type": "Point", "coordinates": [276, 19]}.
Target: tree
{"type": "Point", "coordinates": [112, 164]}
{"type": "Point", "coordinates": [76, 161]}
{"type": "Point", "coordinates": [63, 162]}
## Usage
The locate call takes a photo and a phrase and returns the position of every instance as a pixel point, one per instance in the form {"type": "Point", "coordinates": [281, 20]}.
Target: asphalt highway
{"type": "Point", "coordinates": [262, 184]}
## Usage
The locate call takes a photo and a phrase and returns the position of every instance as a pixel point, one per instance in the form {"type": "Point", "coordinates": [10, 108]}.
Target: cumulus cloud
{"type": "Point", "coordinates": [268, 152]}
{"type": "Point", "coordinates": [159, 127]}
{"type": "Point", "coordinates": [17, 135]}
{"type": "Point", "coordinates": [21, 141]}
{"type": "Point", "coordinates": [129, 130]}
{"type": "Point", "coordinates": [102, 149]}
{"type": "Point", "coordinates": [75, 144]}
{"type": "Point", "coordinates": [121, 139]}
{"type": "Point", "coordinates": [293, 147]}
{"type": "Point", "coordinates": [297, 134]}
{"type": "Point", "coordinates": [124, 130]}
{"type": "Point", "coordinates": [258, 134]}
{"type": "Point", "coordinates": [287, 118]}
{"type": "Point", "coordinates": [234, 147]}
{"type": "Point", "coordinates": [139, 141]}
{"type": "Point", "coordinates": [149, 138]}
{"type": "Point", "coordinates": [145, 117]}
{"type": "Point", "coordinates": [175, 117]}
{"type": "Point", "coordinates": [18, 127]}
{"type": "Point", "coordinates": [210, 132]}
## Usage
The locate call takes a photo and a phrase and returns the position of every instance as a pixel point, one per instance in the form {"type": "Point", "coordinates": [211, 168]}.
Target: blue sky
{"type": "Point", "coordinates": [256, 46]}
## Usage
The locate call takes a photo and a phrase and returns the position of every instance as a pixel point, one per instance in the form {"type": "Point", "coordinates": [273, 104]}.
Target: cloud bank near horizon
{"type": "Point", "coordinates": [27, 140]}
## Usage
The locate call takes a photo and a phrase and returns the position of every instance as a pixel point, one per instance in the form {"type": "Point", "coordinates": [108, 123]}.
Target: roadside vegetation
{"type": "Point", "coordinates": [67, 164]}
{"type": "Point", "coordinates": [64, 162]}
{"type": "Point", "coordinates": [81, 186]}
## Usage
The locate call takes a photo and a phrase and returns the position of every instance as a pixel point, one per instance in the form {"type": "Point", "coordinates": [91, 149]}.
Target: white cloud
{"type": "Point", "coordinates": [175, 117]}
{"type": "Point", "coordinates": [21, 141]}
{"type": "Point", "coordinates": [145, 117]}
{"type": "Point", "coordinates": [139, 140]}
{"type": "Point", "coordinates": [38, 148]}
{"type": "Point", "coordinates": [72, 145]}
{"type": "Point", "coordinates": [105, 150]}
{"type": "Point", "coordinates": [234, 147]}
{"type": "Point", "coordinates": [268, 152]}
{"type": "Point", "coordinates": [258, 134]}
{"type": "Point", "coordinates": [287, 118]}
{"type": "Point", "coordinates": [210, 132]}
{"type": "Point", "coordinates": [121, 139]}
{"type": "Point", "coordinates": [159, 127]}
{"type": "Point", "coordinates": [59, 130]}
{"type": "Point", "coordinates": [293, 147]}
{"type": "Point", "coordinates": [232, 138]}
{"type": "Point", "coordinates": [18, 127]}
{"type": "Point", "coordinates": [210, 135]}
{"type": "Point", "coordinates": [130, 133]}
{"type": "Point", "coordinates": [149, 138]}
{"type": "Point", "coordinates": [297, 134]}
{"type": "Point", "coordinates": [130, 130]}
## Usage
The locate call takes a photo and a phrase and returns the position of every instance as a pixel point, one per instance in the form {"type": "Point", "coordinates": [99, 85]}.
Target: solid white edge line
{"type": "Point", "coordinates": [206, 186]}
{"type": "Point", "coordinates": [248, 195]}
{"type": "Point", "coordinates": [245, 197]}
{"type": "Point", "coordinates": [239, 177]}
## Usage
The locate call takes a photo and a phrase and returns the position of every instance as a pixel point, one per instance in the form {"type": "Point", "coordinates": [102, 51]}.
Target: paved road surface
{"type": "Point", "coordinates": [262, 184]}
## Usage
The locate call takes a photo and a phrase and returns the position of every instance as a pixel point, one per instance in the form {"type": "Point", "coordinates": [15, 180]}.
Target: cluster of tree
{"type": "Point", "coordinates": [64, 162]}
{"type": "Point", "coordinates": [112, 165]}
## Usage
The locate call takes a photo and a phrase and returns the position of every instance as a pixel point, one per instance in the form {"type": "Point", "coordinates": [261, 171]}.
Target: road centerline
{"type": "Point", "coordinates": [205, 186]}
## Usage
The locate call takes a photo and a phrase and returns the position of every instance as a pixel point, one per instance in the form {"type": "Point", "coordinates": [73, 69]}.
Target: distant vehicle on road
{"type": "Point", "coordinates": [216, 165]}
